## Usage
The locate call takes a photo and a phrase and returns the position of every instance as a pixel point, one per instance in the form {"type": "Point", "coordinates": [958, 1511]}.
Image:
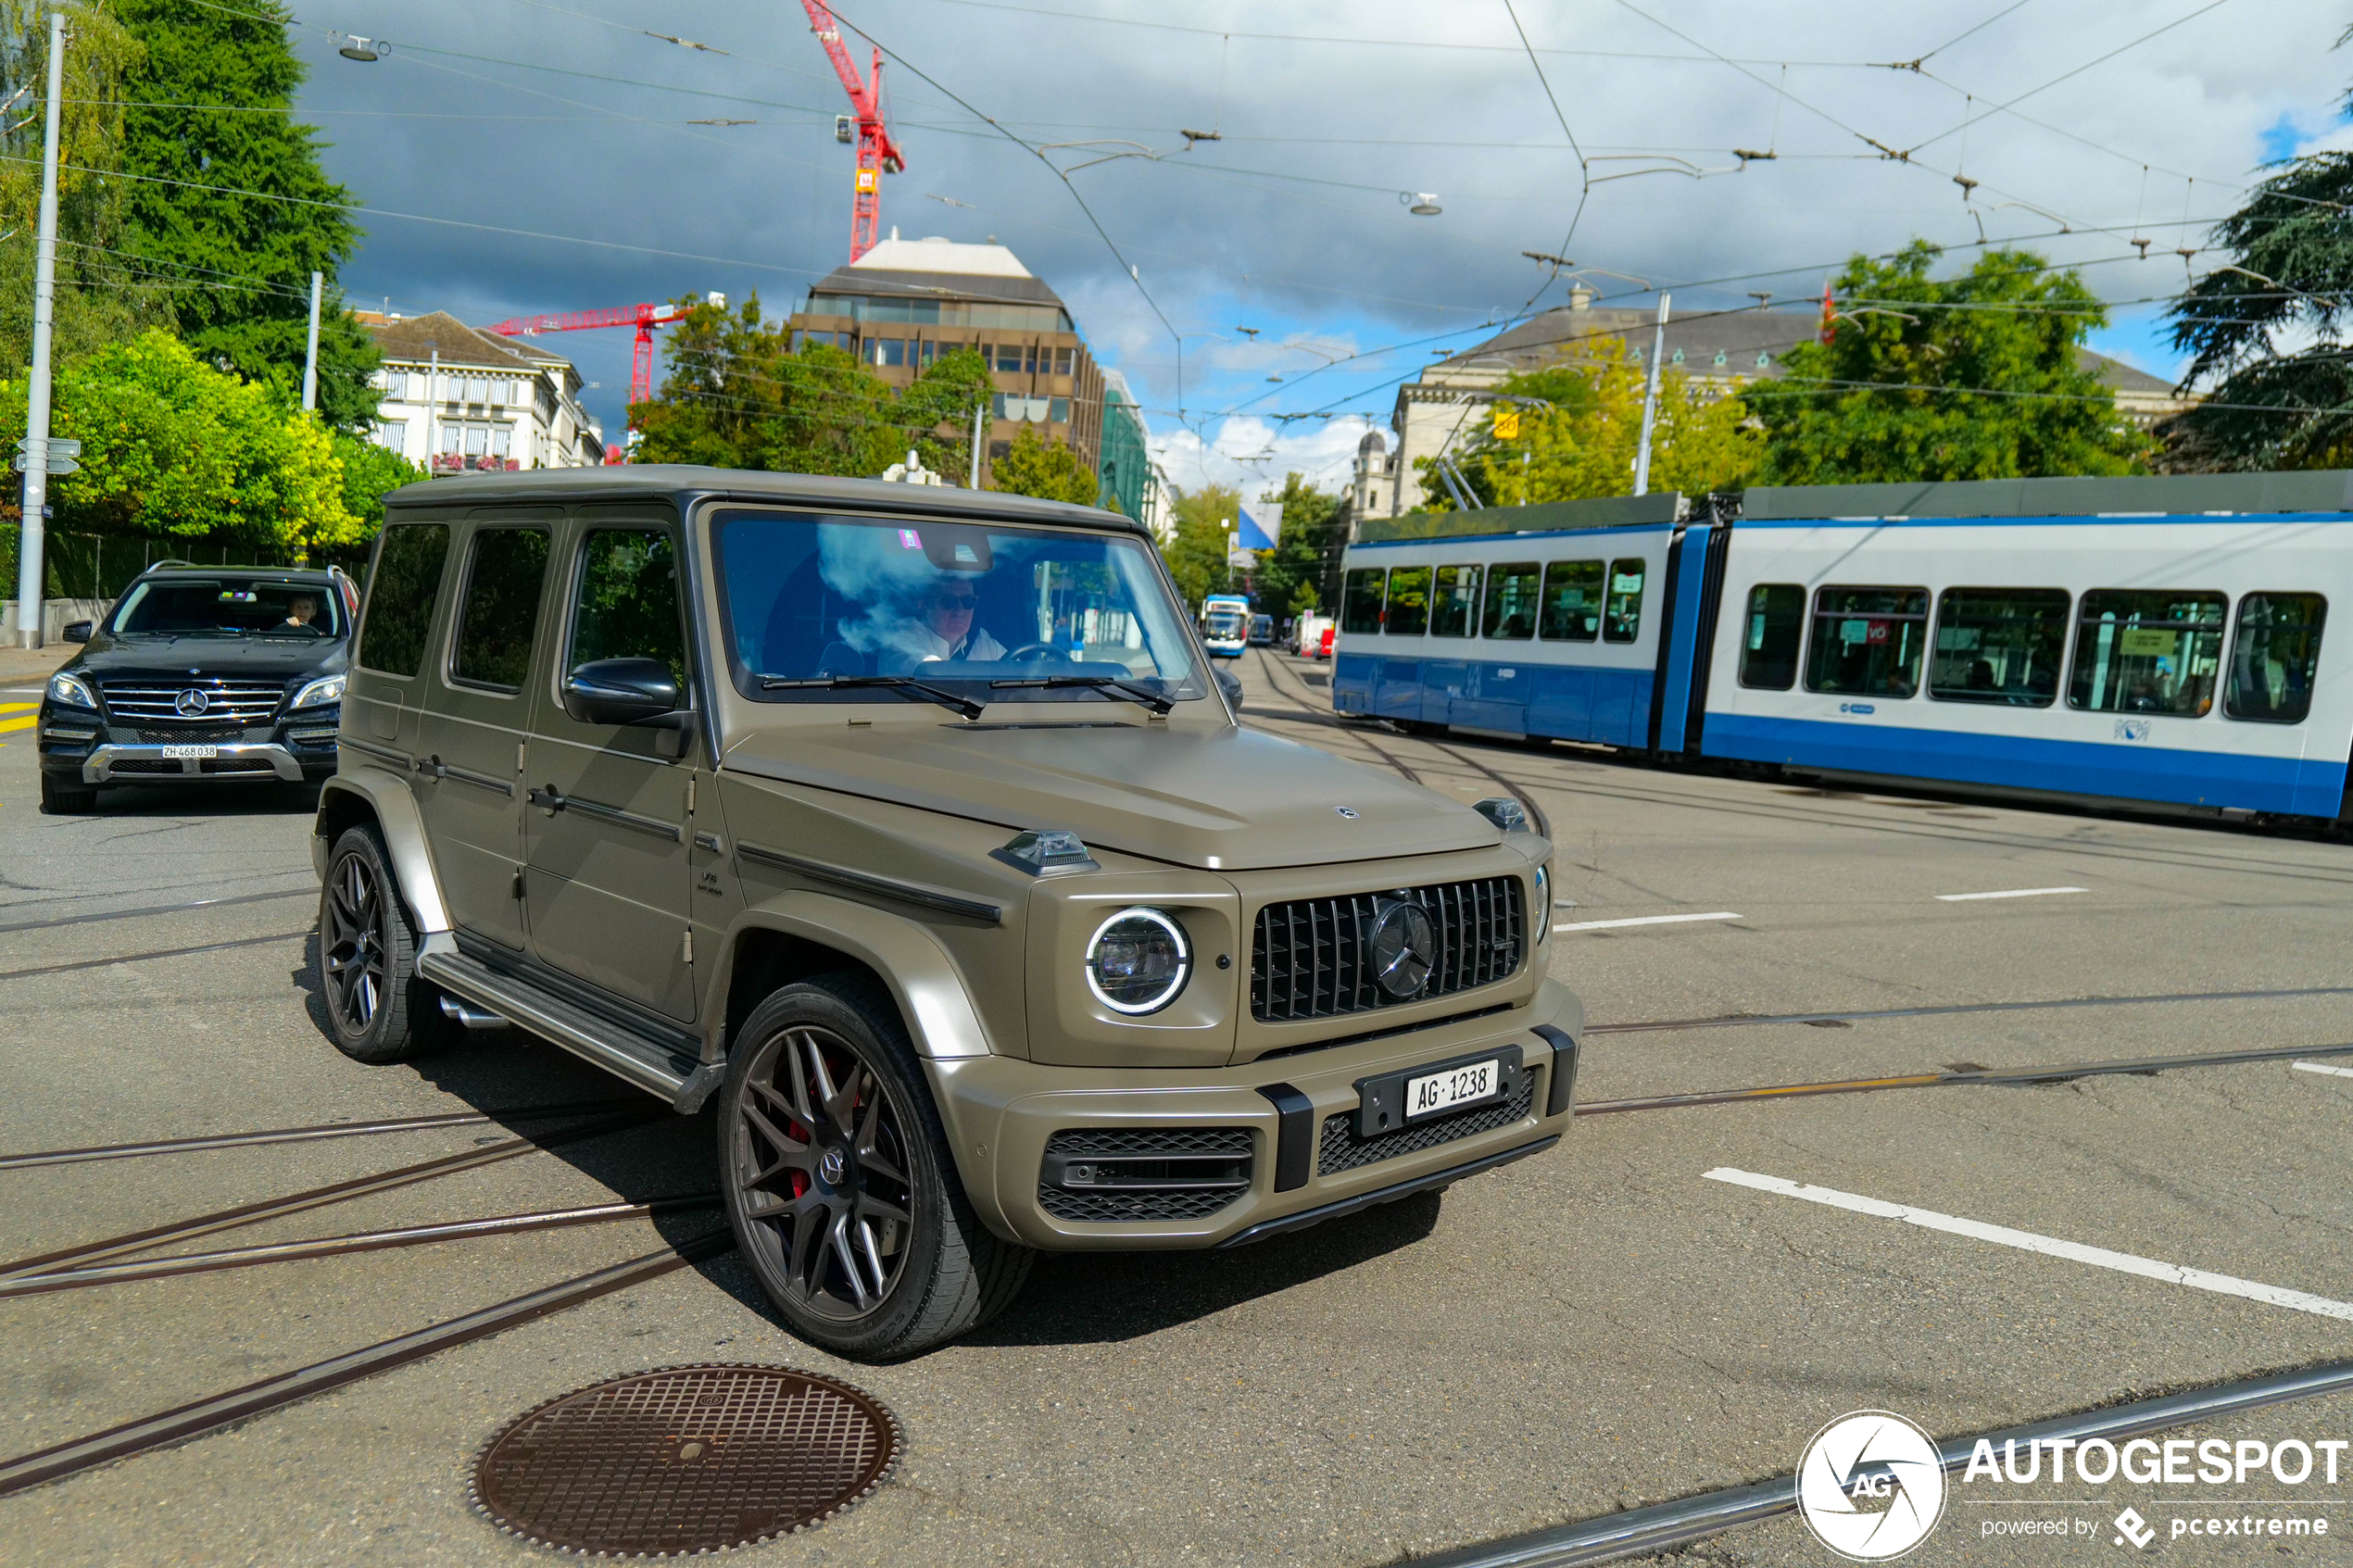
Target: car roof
{"type": "Point", "coordinates": [303, 574]}
{"type": "Point", "coordinates": [685, 483]}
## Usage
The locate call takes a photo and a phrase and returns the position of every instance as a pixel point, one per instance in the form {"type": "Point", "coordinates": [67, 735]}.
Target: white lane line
{"type": "Point", "coordinates": [2050, 1246]}
{"type": "Point", "coordinates": [2320, 1067]}
{"type": "Point", "coordinates": [1642, 920]}
{"type": "Point", "coordinates": [2007, 893]}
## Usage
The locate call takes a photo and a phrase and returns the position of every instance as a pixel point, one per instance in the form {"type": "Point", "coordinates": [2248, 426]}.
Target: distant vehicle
{"type": "Point", "coordinates": [1262, 631]}
{"type": "Point", "coordinates": [235, 674]}
{"type": "Point", "coordinates": [1324, 644]}
{"type": "Point", "coordinates": [1225, 624]}
{"type": "Point", "coordinates": [1307, 636]}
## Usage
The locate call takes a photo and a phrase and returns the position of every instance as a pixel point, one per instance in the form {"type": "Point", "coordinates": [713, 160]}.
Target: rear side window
{"type": "Point", "coordinates": [1408, 601]}
{"type": "Point", "coordinates": [1455, 610]}
{"type": "Point", "coordinates": [2277, 653]}
{"type": "Point", "coordinates": [500, 618]}
{"type": "Point", "coordinates": [1512, 593]}
{"type": "Point", "coordinates": [1572, 609]}
{"type": "Point", "coordinates": [2147, 650]}
{"type": "Point", "coordinates": [1622, 619]}
{"type": "Point", "coordinates": [1360, 597]}
{"type": "Point", "coordinates": [1999, 645]}
{"type": "Point", "coordinates": [1769, 645]}
{"type": "Point", "coordinates": [1867, 640]}
{"type": "Point", "coordinates": [400, 597]}
{"type": "Point", "coordinates": [628, 602]}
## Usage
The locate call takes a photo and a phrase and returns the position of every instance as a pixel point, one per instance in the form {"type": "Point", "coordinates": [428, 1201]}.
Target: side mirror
{"type": "Point", "coordinates": [77, 630]}
{"type": "Point", "coordinates": [619, 691]}
{"type": "Point", "coordinates": [1231, 684]}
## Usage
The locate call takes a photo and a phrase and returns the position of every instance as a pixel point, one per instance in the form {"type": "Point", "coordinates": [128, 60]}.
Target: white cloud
{"type": "Point", "coordinates": [1254, 454]}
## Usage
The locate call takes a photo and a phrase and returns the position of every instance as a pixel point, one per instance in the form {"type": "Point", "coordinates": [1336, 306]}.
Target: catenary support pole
{"type": "Point", "coordinates": [31, 573]}
{"type": "Point", "coordinates": [311, 356]}
{"type": "Point", "coordinates": [980, 412]}
{"type": "Point", "coordinates": [1650, 403]}
{"type": "Point", "coordinates": [433, 410]}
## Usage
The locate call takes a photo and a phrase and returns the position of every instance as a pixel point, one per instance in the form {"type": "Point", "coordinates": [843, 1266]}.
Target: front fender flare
{"type": "Point", "coordinates": [923, 978]}
{"type": "Point", "coordinates": [387, 799]}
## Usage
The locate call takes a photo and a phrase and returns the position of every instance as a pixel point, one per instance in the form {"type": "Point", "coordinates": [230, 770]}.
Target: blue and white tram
{"type": "Point", "coordinates": [2156, 641]}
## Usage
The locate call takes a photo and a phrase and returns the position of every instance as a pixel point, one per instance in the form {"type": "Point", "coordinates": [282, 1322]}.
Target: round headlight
{"type": "Point", "coordinates": [1138, 961]}
{"type": "Point", "coordinates": [1543, 904]}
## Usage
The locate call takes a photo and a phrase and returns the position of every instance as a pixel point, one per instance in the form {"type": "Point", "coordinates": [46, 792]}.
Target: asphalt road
{"type": "Point", "coordinates": [1600, 1327]}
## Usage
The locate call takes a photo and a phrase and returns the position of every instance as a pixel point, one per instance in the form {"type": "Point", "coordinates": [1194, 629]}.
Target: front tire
{"type": "Point", "coordinates": [840, 1184]}
{"type": "Point", "coordinates": [378, 1010]}
{"type": "Point", "coordinates": [63, 797]}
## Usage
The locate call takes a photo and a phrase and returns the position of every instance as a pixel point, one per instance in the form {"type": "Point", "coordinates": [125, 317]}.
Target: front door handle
{"type": "Point", "coordinates": [547, 800]}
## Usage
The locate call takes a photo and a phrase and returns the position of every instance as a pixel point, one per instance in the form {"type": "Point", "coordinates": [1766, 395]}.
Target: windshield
{"type": "Point", "coordinates": [964, 606]}
{"type": "Point", "coordinates": [1224, 624]}
{"type": "Point", "coordinates": [186, 607]}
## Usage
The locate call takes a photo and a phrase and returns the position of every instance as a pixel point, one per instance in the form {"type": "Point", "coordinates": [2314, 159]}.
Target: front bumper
{"type": "Point", "coordinates": [111, 763]}
{"type": "Point", "coordinates": [1304, 1165]}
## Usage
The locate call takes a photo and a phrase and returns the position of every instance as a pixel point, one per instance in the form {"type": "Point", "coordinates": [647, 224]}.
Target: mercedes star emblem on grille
{"type": "Point", "coordinates": [190, 703]}
{"type": "Point", "coordinates": [1404, 948]}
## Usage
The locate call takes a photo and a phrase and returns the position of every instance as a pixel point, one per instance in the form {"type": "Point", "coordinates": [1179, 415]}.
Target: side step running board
{"type": "Point", "coordinates": [650, 1063]}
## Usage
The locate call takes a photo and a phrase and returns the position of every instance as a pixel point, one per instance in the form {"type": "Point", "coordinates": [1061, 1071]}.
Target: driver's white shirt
{"type": "Point", "coordinates": [919, 644]}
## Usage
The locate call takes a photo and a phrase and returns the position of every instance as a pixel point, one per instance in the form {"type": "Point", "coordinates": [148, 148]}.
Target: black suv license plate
{"type": "Point", "coordinates": [1395, 1101]}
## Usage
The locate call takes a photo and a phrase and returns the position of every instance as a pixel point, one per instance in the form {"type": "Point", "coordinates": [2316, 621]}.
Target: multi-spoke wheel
{"type": "Point", "coordinates": [377, 1008]}
{"type": "Point", "coordinates": [839, 1185]}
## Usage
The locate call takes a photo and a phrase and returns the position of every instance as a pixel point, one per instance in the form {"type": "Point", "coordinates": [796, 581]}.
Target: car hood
{"type": "Point", "coordinates": [1226, 799]}
{"type": "Point", "coordinates": [177, 658]}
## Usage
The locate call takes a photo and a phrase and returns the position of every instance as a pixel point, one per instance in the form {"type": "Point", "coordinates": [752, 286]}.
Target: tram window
{"type": "Point", "coordinates": [1572, 607]}
{"type": "Point", "coordinates": [2148, 651]}
{"type": "Point", "coordinates": [1623, 617]}
{"type": "Point", "coordinates": [2274, 658]}
{"type": "Point", "coordinates": [1867, 640]}
{"type": "Point", "coordinates": [1360, 597]}
{"type": "Point", "coordinates": [1776, 625]}
{"type": "Point", "coordinates": [1408, 601]}
{"type": "Point", "coordinates": [1999, 645]}
{"type": "Point", "coordinates": [1512, 593]}
{"type": "Point", "coordinates": [1455, 609]}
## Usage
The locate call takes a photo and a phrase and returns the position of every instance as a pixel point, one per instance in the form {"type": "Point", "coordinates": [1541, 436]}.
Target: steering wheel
{"type": "Point", "coordinates": [1033, 651]}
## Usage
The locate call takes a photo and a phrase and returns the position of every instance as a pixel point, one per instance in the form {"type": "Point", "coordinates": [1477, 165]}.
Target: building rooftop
{"type": "Point", "coordinates": [416, 339]}
{"type": "Point", "coordinates": [937, 268]}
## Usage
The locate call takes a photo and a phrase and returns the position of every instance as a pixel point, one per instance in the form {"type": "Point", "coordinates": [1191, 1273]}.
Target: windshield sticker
{"type": "Point", "coordinates": [910, 540]}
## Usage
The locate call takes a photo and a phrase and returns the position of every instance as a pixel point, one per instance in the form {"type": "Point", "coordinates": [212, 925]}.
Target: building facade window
{"type": "Point", "coordinates": [393, 434]}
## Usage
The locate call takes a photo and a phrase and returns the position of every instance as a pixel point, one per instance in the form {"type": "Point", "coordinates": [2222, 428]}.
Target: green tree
{"type": "Point", "coordinates": [1049, 471]}
{"type": "Point", "coordinates": [170, 444]}
{"type": "Point", "coordinates": [1297, 575]}
{"type": "Point", "coordinates": [1971, 377]}
{"type": "Point", "coordinates": [369, 474]}
{"type": "Point", "coordinates": [243, 215]}
{"type": "Point", "coordinates": [1196, 551]}
{"type": "Point", "coordinates": [736, 395]}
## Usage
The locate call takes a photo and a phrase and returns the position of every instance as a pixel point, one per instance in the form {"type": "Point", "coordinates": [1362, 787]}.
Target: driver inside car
{"type": "Point", "coordinates": [946, 628]}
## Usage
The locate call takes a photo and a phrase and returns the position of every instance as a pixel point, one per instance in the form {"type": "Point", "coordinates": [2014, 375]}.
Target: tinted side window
{"type": "Point", "coordinates": [1360, 597]}
{"type": "Point", "coordinates": [1999, 645]}
{"type": "Point", "coordinates": [1867, 640]}
{"type": "Point", "coordinates": [2148, 651]}
{"type": "Point", "coordinates": [1454, 612]}
{"type": "Point", "coordinates": [2277, 653]}
{"type": "Point", "coordinates": [1408, 601]}
{"type": "Point", "coordinates": [400, 597]}
{"type": "Point", "coordinates": [1572, 601]}
{"type": "Point", "coordinates": [628, 602]}
{"type": "Point", "coordinates": [1776, 625]}
{"type": "Point", "coordinates": [500, 618]}
{"type": "Point", "coordinates": [1622, 621]}
{"type": "Point", "coordinates": [1512, 593]}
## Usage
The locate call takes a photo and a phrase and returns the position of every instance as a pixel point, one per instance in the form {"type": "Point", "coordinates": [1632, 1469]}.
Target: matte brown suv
{"type": "Point", "coordinates": [911, 822]}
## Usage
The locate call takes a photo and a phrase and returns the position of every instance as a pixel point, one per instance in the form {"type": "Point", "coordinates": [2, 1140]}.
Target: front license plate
{"type": "Point", "coordinates": [180, 753]}
{"type": "Point", "coordinates": [1455, 1088]}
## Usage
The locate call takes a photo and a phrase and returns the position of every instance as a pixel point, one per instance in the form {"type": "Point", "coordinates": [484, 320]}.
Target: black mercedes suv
{"type": "Point", "coordinates": [200, 673]}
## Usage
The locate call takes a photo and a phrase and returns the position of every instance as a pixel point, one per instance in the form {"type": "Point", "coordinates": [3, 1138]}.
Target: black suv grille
{"type": "Point", "coordinates": [1110, 1173]}
{"type": "Point", "coordinates": [1311, 956]}
{"type": "Point", "coordinates": [132, 700]}
{"type": "Point", "coordinates": [1344, 1150]}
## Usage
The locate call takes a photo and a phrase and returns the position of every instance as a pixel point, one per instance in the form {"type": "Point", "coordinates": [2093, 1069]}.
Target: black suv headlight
{"type": "Point", "coordinates": [71, 690]}
{"type": "Point", "coordinates": [1138, 961]}
{"type": "Point", "coordinates": [327, 688]}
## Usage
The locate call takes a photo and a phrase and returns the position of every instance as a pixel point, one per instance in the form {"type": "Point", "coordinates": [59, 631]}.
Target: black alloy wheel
{"type": "Point", "coordinates": [377, 1008]}
{"type": "Point", "coordinates": [840, 1187]}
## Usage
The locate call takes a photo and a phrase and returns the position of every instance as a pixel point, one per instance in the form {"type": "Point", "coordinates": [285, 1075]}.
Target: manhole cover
{"type": "Point", "coordinates": [685, 1459]}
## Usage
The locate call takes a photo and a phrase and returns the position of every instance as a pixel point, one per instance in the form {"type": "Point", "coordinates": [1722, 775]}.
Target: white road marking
{"type": "Point", "coordinates": [2050, 1246]}
{"type": "Point", "coordinates": [2320, 1067]}
{"type": "Point", "coordinates": [1642, 920]}
{"type": "Point", "coordinates": [2007, 893]}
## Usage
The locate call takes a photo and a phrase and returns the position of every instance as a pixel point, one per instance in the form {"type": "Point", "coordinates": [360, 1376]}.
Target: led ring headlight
{"type": "Point", "coordinates": [1138, 960]}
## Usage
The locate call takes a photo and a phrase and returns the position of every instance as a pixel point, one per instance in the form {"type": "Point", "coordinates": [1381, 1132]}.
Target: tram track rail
{"type": "Point", "coordinates": [203, 1142]}
{"type": "Point", "coordinates": [71, 965]}
{"type": "Point", "coordinates": [188, 908]}
{"type": "Point", "coordinates": [1950, 1010]}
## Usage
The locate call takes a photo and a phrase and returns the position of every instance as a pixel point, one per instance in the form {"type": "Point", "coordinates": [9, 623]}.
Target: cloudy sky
{"type": "Point", "coordinates": [558, 157]}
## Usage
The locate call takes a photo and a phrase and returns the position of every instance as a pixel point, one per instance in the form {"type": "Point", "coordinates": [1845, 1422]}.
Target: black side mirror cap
{"type": "Point", "coordinates": [619, 691]}
{"type": "Point", "coordinates": [1231, 684]}
{"type": "Point", "coordinates": [78, 630]}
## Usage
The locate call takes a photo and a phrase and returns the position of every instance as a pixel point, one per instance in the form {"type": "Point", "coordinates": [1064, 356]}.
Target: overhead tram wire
{"type": "Point", "coordinates": [1918, 60]}
{"type": "Point", "coordinates": [1584, 168]}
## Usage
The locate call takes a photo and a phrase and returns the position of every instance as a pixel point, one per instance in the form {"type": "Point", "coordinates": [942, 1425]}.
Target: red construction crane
{"type": "Point", "coordinates": [645, 318]}
{"type": "Point", "coordinates": [877, 154]}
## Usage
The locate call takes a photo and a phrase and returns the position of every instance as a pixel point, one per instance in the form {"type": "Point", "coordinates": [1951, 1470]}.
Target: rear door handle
{"type": "Point", "coordinates": [547, 800]}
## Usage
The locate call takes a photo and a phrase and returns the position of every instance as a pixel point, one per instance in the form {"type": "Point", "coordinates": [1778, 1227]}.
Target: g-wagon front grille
{"type": "Point", "coordinates": [1344, 1150]}
{"type": "Point", "coordinates": [233, 702]}
{"type": "Point", "coordinates": [1112, 1173]}
{"type": "Point", "coordinates": [1313, 957]}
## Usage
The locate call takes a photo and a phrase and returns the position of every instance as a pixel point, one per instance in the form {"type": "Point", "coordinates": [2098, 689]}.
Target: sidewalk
{"type": "Point", "coordinates": [32, 667]}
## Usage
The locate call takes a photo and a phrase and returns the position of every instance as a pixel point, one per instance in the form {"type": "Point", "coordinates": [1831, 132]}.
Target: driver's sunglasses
{"type": "Point", "coordinates": [956, 601]}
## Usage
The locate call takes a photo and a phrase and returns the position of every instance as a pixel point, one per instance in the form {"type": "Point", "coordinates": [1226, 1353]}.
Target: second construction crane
{"type": "Point", "coordinates": [877, 154]}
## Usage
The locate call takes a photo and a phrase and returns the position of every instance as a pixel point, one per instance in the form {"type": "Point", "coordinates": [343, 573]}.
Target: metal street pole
{"type": "Point", "coordinates": [32, 578]}
{"type": "Point", "coordinates": [979, 412]}
{"type": "Point", "coordinates": [433, 411]}
{"type": "Point", "coordinates": [1650, 403]}
{"type": "Point", "coordinates": [311, 358]}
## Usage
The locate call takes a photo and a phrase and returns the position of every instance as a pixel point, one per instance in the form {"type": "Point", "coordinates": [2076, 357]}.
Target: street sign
{"type": "Point", "coordinates": [59, 463]}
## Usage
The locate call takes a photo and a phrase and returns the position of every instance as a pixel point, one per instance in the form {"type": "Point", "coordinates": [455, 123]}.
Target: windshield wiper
{"type": "Point", "coordinates": [1134, 691]}
{"type": "Point", "coordinates": [907, 683]}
